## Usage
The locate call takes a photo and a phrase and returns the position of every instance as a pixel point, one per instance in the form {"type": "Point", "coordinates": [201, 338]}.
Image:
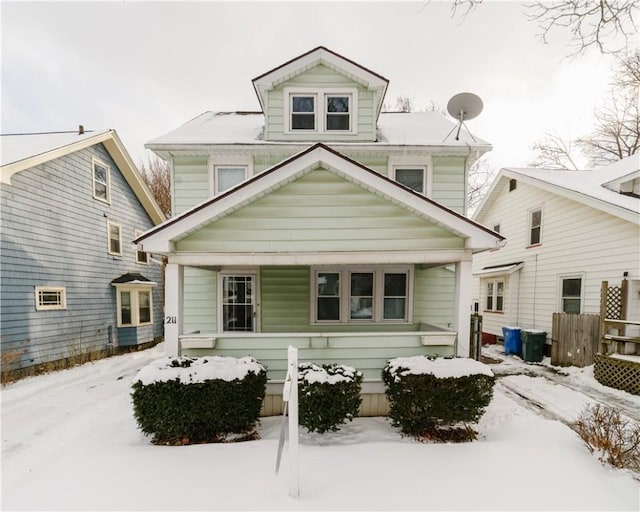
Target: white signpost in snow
{"type": "Point", "coordinates": [290, 398]}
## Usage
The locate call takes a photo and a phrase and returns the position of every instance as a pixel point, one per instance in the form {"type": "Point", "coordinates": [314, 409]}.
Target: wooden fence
{"type": "Point", "coordinates": [574, 339]}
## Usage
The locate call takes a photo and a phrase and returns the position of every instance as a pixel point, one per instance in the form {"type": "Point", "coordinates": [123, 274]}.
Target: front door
{"type": "Point", "coordinates": [239, 303]}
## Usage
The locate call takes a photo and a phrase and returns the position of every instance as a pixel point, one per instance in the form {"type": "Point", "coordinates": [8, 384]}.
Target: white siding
{"type": "Point", "coordinates": [576, 239]}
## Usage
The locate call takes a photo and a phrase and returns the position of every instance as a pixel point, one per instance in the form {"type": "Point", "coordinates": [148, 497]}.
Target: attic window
{"type": "Point", "coordinates": [338, 113]}
{"type": "Point", "coordinates": [101, 181]}
{"type": "Point", "coordinates": [303, 112]}
{"type": "Point", "coordinates": [512, 184]}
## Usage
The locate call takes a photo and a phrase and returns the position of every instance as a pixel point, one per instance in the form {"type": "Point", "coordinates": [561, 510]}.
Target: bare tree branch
{"type": "Point", "coordinates": [480, 177]}
{"type": "Point", "coordinates": [553, 152]}
{"type": "Point", "coordinates": [156, 175]}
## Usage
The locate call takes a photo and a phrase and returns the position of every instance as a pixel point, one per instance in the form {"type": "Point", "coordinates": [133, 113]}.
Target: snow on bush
{"type": "Point", "coordinates": [329, 396]}
{"type": "Point", "coordinates": [426, 394]}
{"type": "Point", "coordinates": [188, 400]}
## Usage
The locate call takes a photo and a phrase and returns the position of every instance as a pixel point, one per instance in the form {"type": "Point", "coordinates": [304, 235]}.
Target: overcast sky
{"type": "Point", "coordinates": [144, 68]}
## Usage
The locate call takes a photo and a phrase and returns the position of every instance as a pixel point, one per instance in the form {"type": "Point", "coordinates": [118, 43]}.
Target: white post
{"type": "Point", "coordinates": [294, 482]}
{"type": "Point", "coordinates": [173, 282]}
{"type": "Point", "coordinates": [462, 307]}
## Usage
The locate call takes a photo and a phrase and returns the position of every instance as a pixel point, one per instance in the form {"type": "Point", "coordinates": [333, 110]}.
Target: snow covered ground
{"type": "Point", "coordinates": [69, 442]}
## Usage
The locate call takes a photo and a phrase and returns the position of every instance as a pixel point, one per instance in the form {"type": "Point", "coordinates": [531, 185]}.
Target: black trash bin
{"type": "Point", "coordinates": [533, 345]}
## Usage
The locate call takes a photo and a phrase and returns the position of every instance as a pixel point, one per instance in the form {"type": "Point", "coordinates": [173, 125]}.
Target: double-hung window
{"type": "Point", "coordinates": [101, 181]}
{"type": "Point", "coordinates": [48, 298]}
{"type": "Point", "coordinates": [495, 295]}
{"type": "Point", "coordinates": [338, 112]}
{"type": "Point", "coordinates": [114, 236]}
{"type": "Point", "coordinates": [303, 112]}
{"type": "Point", "coordinates": [571, 294]}
{"type": "Point", "coordinates": [354, 295]}
{"type": "Point", "coordinates": [535, 226]}
{"type": "Point", "coordinates": [319, 110]}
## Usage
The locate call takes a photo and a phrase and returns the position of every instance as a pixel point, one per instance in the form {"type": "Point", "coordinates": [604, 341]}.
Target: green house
{"type": "Point", "coordinates": [319, 222]}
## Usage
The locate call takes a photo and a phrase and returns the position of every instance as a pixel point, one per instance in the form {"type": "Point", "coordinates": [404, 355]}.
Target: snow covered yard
{"type": "Point", "coordinates": [69, 442]}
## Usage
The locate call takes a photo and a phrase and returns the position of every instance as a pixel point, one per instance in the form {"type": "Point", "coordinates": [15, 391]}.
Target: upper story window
{"type": "Point", "coordinates": [496, 228]}
{"type": "Point", "coordinates": [50, 298]}
{"type": "Point", "coordinates": [320, 110]}
{"type": "Point", "coordinates": [338, 113]}
{"type": "Point", "coordinates": [101, 181]}
{"type": "Point", "coordinates": [141, 256]}
{"type": "Point", "coordinates": [228, 176]}
{"type": "Point", "coordinates": [535, 226]}
{"type": "Point", "coordinates": [413, 177]}
{"type": "Point", "coordinates": [303, 112]}
{"type": "Point", "coordinates": [513, 184]}
{"type": "Point", "coordinates": [114, 237]}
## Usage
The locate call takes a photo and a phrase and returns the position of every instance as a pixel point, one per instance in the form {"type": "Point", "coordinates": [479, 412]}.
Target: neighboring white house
{"type": "Point", "coordinates": [566, 232]}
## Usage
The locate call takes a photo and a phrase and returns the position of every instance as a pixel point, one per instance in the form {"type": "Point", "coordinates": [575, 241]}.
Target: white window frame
{"type": "Point", "coordinates": [341, 114]}
{"type": "Point", "coordinates": [216, 162]}
{"type": "Point", "coordinates": [561, 278]}
{"type": "Point", "coordinates": [321, 95]}
{"type": "Point", "coordinates": [530, 226]}
{"type": "Point", "coordinates": [378, 293]}
{"type": "Point", "coordinates": [316, 105]}
{"type": "Point", "coordinates": [94, 162]}
{"type": "Point", "coordinates": [62, 303]}
{"type": "Point", "coordinates": [245, 271]}
{"type": "Point", "coordinates": [494, 295]}
{"type": "Point", "coordinates": [109, 225]}
{"type": "Point", "coordinates": [134, 290]}
{"type": "Point", "coordinates": [216, 179]}
{"type": "Point", "coordinates": [137, 233]}
{"type": "Point", "coordinates": [413, 162]}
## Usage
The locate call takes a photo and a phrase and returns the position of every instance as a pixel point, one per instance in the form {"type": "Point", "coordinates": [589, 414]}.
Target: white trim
{"type": "Point", "coordinates": [119, 226]}
{"type": "Point", "coordinates": [413, 162]}
{"type": "Point", "coordinates": [94, 162]}
{"type": "Point", "coordinates": [61, 290]}
{"type": "Point", "coordinates": [136, 234]}
{"type": "Point", "coordinates": [330, 258]}
{"type": "Point", "coordinates": [216, 161]}
{"type": "Point", "coordinates": [560, 297]}
{"type": "Point", "coordinates": [255, 296]}
{"type": "Point", "coordinates": [494, 294]}
{"type": "Point", "coordinates": [161, 241]}
{"type": "Point", "coordinates": [499, 271]}
{"type": "Point", "coordinates": [134, 289]}
{"type": "Point", "coordinates": [320, 94]}
{"type": "Point", "coordinates": [530, 226]}
{"type": "Point", "coordinates": [378, 272]}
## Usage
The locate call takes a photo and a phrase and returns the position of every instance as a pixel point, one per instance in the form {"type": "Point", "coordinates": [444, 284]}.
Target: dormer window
{"type": "Point", "coordinates": [329, 110]}
{"type": "Point", "coordinates": [303, 112]}
{"type": "Point", "coordinates": [338, 113]}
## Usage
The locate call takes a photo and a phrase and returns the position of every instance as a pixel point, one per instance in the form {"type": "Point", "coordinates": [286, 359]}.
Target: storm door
{"type": "Point", "coordinates": [238, 303]}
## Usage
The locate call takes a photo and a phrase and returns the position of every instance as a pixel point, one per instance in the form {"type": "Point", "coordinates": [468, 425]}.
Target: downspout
{"type": "Point", "coordinates": [535, 283]}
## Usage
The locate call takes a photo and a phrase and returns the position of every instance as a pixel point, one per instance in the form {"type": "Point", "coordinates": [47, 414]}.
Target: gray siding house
{"type": "Point", "coordinates": [72, 283]}
{"type": "Point", "coordinates": [319, 222]}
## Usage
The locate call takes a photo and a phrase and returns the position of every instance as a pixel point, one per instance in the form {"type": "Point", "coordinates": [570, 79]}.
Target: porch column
{"type": "Point", "coordinates": [173, 282]}
{"type": "Point", "coordinates": [462, 307]}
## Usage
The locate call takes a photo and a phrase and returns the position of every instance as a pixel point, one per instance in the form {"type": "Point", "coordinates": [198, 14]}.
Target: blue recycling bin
{"type": "Point", "coordinates": [512, 341]}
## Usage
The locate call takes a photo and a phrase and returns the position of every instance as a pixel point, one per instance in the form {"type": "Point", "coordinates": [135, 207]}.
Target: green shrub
{"type": "Point", "coordinates": [194, 400]}
{"type": "Point", "coordinates": [426, 394]}
{"type": "Point", "coordinates": [329, 396]}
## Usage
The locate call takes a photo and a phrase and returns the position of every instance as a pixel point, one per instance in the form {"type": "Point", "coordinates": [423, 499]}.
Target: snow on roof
{"type": "Point", "coordinates": [191, 370]}
{"type": "Point", "coordinates": [440, 368]}
{"type": "Point", "coordinates": [394, 128]}
{"type": "Point", "coordinates": [16, 147]}
{"type": "Point", "coordinates": [589, 183]}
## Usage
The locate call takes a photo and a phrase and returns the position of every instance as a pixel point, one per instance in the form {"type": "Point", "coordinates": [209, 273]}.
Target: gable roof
{"type": "Point", "coordinates": [592, 188]}
{"type": "Point", "coordinates": [23, 151]}
{"type": "Point", "coordinates": [160, 238]}
{"type": "Point", "coordinates": [394, 129]}
{"type": "Point", "coordinates": [319, 55]}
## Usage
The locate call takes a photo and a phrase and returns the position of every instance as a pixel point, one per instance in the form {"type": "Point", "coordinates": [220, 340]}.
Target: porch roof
{"type": "Point", "coordinates": [162, 238]}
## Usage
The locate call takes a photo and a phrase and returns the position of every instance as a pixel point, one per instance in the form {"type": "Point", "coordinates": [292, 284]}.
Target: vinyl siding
{"type": "Point", "coordinates": [319, 212]}
{"type": "Point", "coordinates": [319, 76]}
{"type": "Point", "coordinates": [54, 233]}
{"type": "Point", "coordinates": [449, 182]}
{"type": "Point", "coordinates": [190, 182]}
{"type": "Point", "coordinates": [576, 239]}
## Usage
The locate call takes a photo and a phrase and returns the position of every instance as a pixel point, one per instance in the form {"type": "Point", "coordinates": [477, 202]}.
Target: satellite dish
{"type": "Point", "coordinates": [463, 106]}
